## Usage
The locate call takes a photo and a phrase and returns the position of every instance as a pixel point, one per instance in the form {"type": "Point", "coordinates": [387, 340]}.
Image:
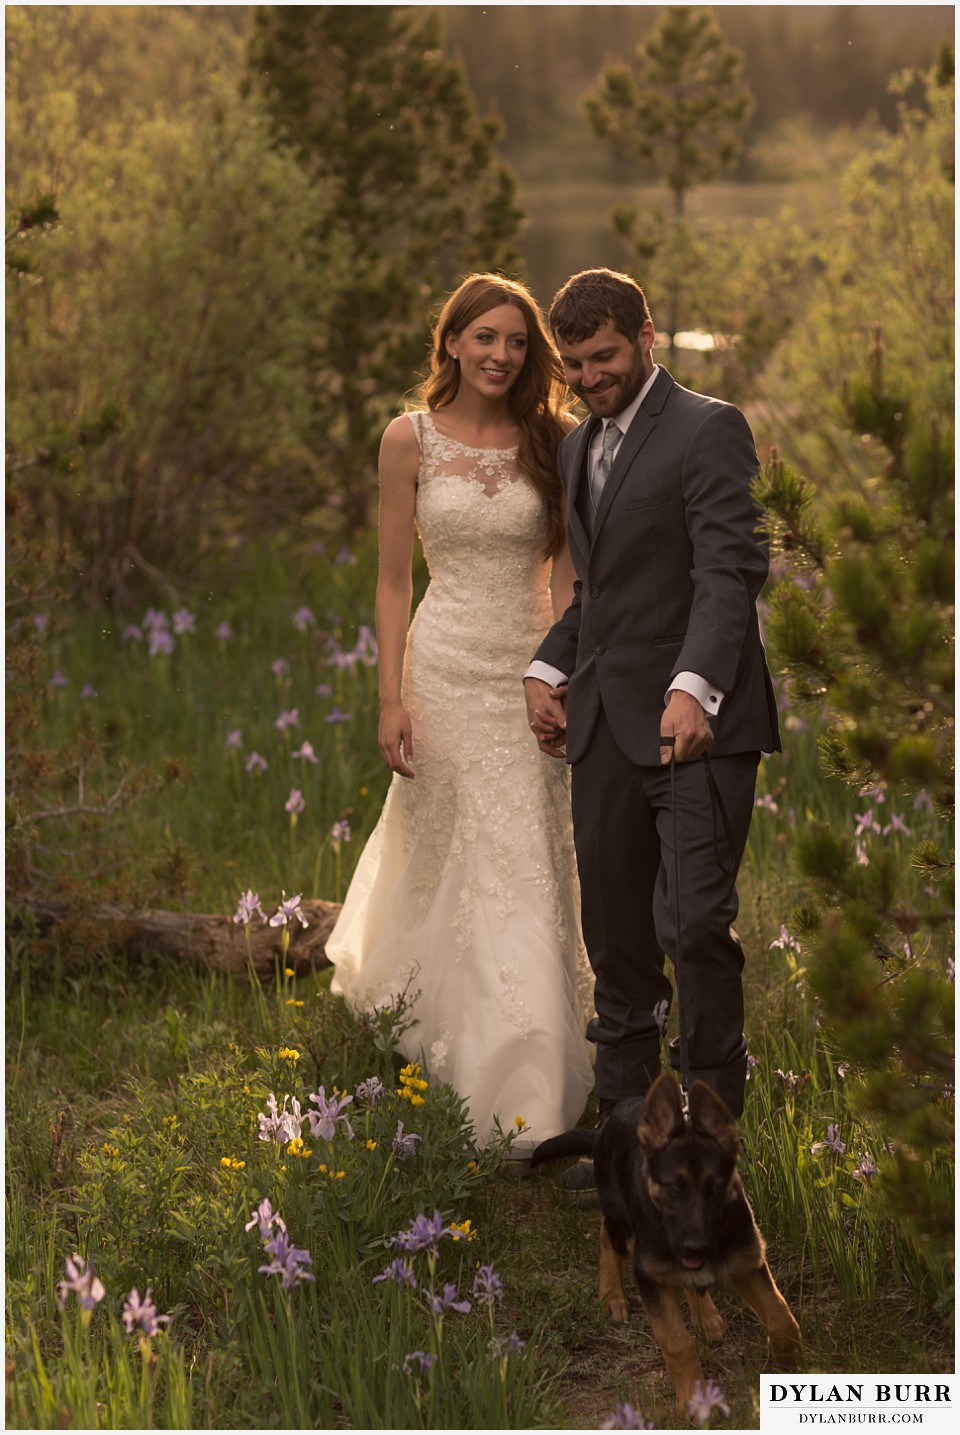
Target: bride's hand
{"type": "Point", "coordinates": [395, 738]}
{"type": "Point", "coordinates": [547, 715]}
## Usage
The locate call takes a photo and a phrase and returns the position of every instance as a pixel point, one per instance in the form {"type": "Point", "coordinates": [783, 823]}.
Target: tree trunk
{"type": "Point", "coordinates": [216, 943]}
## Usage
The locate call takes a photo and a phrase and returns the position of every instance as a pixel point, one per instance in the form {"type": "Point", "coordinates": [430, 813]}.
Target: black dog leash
{"type": "Point", "coordinates": [719, 814]}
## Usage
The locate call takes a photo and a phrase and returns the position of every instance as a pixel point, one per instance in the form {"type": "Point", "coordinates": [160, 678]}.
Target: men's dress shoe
{"type": "Point", "coordinates": [578, 1177]}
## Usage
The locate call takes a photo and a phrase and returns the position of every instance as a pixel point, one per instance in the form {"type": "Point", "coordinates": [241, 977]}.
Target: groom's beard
{"type": "Point", "coordinates": [607, 402]}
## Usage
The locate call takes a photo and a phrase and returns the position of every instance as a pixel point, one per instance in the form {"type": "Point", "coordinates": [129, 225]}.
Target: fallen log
{"type": "Point", "coordinates": [216, 942]}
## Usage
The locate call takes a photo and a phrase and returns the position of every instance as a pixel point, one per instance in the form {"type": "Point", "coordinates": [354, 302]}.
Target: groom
{"type": "Point", "coordinates": [661, 640]}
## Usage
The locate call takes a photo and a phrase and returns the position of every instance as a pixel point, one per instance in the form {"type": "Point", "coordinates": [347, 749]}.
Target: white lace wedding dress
{"type": "Point", "coordinates": [465, 896]}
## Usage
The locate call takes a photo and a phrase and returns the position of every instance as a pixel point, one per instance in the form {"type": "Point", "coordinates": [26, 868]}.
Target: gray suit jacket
{"type": "Point", "coordinates": [669, 579]}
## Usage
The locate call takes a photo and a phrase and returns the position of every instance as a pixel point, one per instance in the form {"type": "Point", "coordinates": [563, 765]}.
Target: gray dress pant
{"type": "Point", "coordinates": [624, 830]}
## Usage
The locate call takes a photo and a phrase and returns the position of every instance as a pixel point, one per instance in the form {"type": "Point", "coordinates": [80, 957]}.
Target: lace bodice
{"type": "Point", "coordinates": [482, 527]}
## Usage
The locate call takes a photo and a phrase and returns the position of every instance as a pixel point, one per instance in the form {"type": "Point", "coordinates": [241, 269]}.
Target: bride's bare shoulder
{"type": "Point", "coordinates": [400, 447]}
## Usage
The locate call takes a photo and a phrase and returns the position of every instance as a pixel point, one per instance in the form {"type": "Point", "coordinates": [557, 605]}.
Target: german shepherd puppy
{"type": "Point", "coordinates": [671, 1198]}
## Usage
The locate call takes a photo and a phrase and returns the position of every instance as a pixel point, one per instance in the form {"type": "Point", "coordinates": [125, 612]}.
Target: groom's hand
{"type": "Point", "coordinates": [684, 720]}
{"type": "Point", "coordinates": [547, 715]}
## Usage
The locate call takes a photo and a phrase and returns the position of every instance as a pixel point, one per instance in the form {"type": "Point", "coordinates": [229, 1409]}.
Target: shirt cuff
{"type": "Point", "coordinates": [708, 696]}
{"type": "Point", "coordinates": [546, 674]}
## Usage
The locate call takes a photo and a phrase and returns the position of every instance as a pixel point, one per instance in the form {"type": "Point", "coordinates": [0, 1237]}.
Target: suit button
{"type": "Point", "coordinates": [601, 650]}
{"type": "Point", "coordinates": [594, 592]}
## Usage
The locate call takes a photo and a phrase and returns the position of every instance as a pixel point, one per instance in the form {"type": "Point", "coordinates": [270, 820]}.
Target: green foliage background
{"type": "Point", "coordinates": [200, 353]}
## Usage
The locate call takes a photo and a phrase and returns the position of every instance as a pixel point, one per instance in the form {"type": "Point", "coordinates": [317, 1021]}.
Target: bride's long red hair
{"type": "Point", "coordinates": [538, 399]}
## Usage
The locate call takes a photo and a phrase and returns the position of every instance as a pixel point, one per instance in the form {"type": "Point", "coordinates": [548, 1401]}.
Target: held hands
{"type": "Point", "coordinates": [685, 720]}
{"type": "Point", "coordinates": [395, 738]}
{"type": "Point", "coordinates": [547, 715]}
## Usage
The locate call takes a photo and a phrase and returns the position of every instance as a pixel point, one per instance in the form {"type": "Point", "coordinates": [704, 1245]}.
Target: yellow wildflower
{"type": "Point", "coordinates": [371, 1145]}
{"type": "Point", "coordinates": [288, 1053]}
{"type": "Point", "coordinates": [463, 1230]}
{"type": "Point", "coordinates": [519, 1122]}
{"type": "Point", "coordinates": [292, 1002]}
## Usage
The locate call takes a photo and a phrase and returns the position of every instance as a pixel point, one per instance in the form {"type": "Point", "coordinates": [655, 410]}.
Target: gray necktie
{"type": "Point", "coordinates": [603, 465]}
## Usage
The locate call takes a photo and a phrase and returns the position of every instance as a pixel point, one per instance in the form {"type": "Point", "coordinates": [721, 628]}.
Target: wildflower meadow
{"type": "Point", "coordinates": [229, 1204]}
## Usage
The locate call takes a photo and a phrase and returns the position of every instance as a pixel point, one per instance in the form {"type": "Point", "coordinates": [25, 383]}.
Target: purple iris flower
{"type": "Point", "coordinates": [288, 1261]}
{"type": "Point", "coordinates": [142, 1313]}
{"type": "Point", "coordinates": [87, 1287]}
{"type": "Point", "coordinates": [265, 1218]}
{"type": "Point", "coordinates": [404, 1143]}
{"type": "Point", "coordinates": [288, 909]}
{"type": "Point", "coordinates": [306, 752]}
{"type": "Point", "coordinates": [487, 1285]}
{"type": "Point", "coordinates": [707, 1397]}
{"type": "Point", "coordinates": [423, 1233]}
{"type": "Point", "coordinates": [330, 1115]}
{"type": "Point", "coordinates": [370, 1091]}
{"type": "Point", "coordinates": [625, 1417]}
{"type": "Point", "coordinates": [398, 1270]}
{"type": "Point", "coordinates": [439, 1304]}
{"type": "Point", "coordinates": [160, 642]}
{"type": "Point", "coordinates": [281, 1125]}
{"type": "Point", "coordinates": [248, 907]}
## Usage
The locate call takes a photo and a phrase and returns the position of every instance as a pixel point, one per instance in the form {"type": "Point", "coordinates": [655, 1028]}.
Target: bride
{"type": "Point", "coordinates": [465, 895]}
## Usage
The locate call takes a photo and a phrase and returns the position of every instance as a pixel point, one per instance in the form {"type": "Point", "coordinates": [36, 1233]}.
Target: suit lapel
{"type": "Point", "coordinates": [576, 474]}
{"type": "Point", "coordinates": [644, 422]}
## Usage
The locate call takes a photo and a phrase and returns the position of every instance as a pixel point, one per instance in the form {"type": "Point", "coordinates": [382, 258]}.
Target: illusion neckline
{"type": "Point", "coordinates": [469, 447]}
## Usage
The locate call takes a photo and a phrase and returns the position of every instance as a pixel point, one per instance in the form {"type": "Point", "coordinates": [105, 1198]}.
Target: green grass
{"type": "Point", "coordinates": [131, 1080]}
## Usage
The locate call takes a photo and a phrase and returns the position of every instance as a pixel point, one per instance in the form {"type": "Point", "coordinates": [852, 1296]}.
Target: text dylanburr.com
{"type": "Point", "coordinates": [819, 1402]}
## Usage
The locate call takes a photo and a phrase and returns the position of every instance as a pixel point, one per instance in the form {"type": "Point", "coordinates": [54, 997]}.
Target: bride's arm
{"type": "Point", "coordinates": [398, 468]}
{"type": "Point", "coordinates": [562, 577]}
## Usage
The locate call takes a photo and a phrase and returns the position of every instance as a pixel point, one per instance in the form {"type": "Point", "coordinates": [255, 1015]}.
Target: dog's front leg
{"type": "Point", "coordinates": [762, 1295]}
{"type": "Point", "coordinates": [662, 1305]}
{"type": "Point", "coordinates": [611, 1278]}
{"type": "Point", "coordinates": [705, 1315]}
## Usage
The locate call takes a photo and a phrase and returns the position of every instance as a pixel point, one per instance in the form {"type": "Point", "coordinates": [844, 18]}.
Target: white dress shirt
{"type": "Point", "coordinates": [708, 696]}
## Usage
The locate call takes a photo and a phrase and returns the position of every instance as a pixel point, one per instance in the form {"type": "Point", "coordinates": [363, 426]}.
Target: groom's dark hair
{"type": "Point", "coordinates": [590, 298]}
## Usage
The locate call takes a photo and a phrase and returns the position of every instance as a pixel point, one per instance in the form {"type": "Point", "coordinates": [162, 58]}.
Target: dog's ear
{"type": "Point", "coordinates": [709, 1117]}
{"type": "Point", "coordinates": [662, 1115]}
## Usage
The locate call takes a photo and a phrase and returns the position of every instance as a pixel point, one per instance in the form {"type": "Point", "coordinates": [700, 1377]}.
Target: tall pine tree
{"type": "Point", "coordinates": [374, 109]}
{"type": "Point", "coordinates": [682, 115]}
